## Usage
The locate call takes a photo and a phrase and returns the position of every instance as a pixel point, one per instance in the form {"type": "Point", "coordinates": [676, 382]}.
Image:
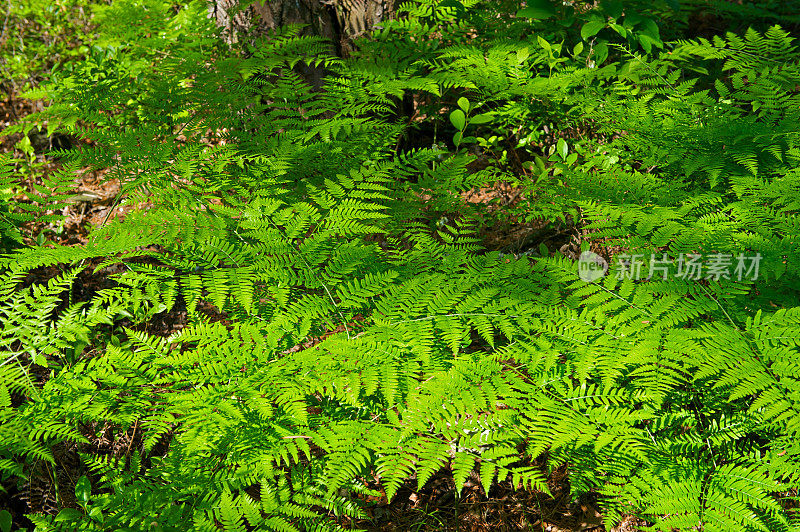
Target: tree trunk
{"type": "Point", "coordinates": [339, 21]}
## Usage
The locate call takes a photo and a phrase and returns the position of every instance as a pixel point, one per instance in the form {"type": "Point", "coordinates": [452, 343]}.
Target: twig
{"type": "Point", "coordinates": [5, 24]}
{"type": "Point", "coordinates": [130, 443]}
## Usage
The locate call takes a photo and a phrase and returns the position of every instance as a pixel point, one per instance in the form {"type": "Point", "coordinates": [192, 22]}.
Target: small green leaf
{"type": "Point", "coordinates": [619, 29]}
{"type": "Point", "coordinates": [543, 43]}
{"type": "Point", "coordinates": [39, 359]}
{"type": "Point", "coordinates": [484, 118]}
{"type": "Point", "coordinates": [5, 521]}
{"type": "Point", "coordinates": [600, 53]}
{"type": "Point", "coordinates": [25, 145]}
{"type": "Point", "coordinates": [458, 119]}
{"type": "Point", "coordinates": [563, 148]}
{"type": "Point", "coordinates": [651, 30]}
{"type": "Point", "coordinates": [577, 49]}
{"type": "Point", "coordinates": [646, 45]}
{"type": "Point", "coordinates": [537, 9]}
{"type": "Point", "coordinates": [534, 13]}
{"type": "Point", "coordinates": [457, 138]}
{"type": "Point", "coordinates": [464, 104]}
{"type": "Point", "coordinates": [648, 42]}
{"type": "Point", "coordinates": [83, 490]}
{"type": "Point", "coordinates": [69, 514]}
{"type": "Point", "coordinates": [591, 28]}
{"type": "Point", "coordinates": [96, 513]}
{"type": "Point", "coordinates": [543, 251]}
{"type": "Point", "coordinates": [632, 19]}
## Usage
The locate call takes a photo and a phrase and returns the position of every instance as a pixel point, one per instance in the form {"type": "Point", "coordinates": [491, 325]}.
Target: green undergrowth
{"type": "Point", "coordinates": [329, 333]}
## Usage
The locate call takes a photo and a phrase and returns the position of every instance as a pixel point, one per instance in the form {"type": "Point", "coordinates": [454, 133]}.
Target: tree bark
{"type": "Point", "coordinates": [339, 21]}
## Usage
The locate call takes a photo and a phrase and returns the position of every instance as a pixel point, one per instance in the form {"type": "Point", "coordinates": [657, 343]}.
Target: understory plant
{"type": "Point", "coordinates": [330, 341]}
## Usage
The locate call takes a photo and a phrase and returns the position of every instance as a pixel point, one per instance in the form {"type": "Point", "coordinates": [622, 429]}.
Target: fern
{"type": "Point", "coordinates": [334, 334]}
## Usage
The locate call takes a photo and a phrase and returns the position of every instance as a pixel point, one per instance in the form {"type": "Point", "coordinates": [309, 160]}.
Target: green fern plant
{"type": "Point", "coordinates": [335, 338]}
